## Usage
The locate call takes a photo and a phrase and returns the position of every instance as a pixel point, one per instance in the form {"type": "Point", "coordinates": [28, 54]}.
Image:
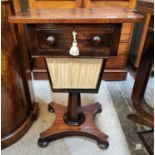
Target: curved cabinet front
{"type": "Point", "coordinates": [16, 107]}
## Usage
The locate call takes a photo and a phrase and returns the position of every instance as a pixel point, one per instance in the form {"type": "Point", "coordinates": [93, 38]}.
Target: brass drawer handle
{"type": "Point", "coordinates": [96, 40]}
{"type": "Point", "coordinates": [50, 40]}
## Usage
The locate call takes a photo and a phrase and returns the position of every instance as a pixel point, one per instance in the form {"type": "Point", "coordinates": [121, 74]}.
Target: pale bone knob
{"type": "Point", "coordinates": [97, 40]}
{"type": "Point", "coordinates": [50, 40]}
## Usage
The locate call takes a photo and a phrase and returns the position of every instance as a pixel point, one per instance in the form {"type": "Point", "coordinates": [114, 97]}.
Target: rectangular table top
{"type": "Point", "coordinates": [77, 15]}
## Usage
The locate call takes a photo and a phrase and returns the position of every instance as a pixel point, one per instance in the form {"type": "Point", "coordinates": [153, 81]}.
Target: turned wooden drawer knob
{"type": "Point", "coordinates": [50, 40]}
{"type": "Point", "coordinates": [96, 40]}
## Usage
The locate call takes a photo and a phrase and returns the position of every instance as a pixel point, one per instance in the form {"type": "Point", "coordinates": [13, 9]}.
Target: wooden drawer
{"type": "Point", "coordinates": [56, 40]}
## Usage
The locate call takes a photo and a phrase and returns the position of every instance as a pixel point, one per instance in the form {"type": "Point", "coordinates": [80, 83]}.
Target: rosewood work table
{"type": "Point", "coordinates": [76, 44]}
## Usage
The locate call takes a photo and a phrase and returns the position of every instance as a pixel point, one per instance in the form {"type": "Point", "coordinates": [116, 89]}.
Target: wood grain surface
{"type": "Point", "coordinates": [18, 110]}
{"type": "Point", "coordinates": [78, 15]}
{"type": "Point", "coordinates": [109, 35]}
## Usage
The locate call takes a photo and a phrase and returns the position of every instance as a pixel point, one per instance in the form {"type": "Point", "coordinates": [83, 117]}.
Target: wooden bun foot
{"type": "Point", "coordinates": [60, 129]}
{"type": "Point", "coordinates": [103, 145]}
{"type": "Point", "coordinates": [42, 142]}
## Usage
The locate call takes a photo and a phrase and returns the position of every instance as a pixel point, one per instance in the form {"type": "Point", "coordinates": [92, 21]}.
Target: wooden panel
{"type": "Point", "coordinates": [126, 28]}
{"type": "Point", "coordinates": [132, 4]}
{"type": "Point", "coordinates": [48, 4]}
{"type": "Point", "coordinates": [123, 48]}
{"type": "Point", "coordinates": [74, 73]}
{"type": "Point", "coordinates": [38, 63]}
{"type": "Point", "coordinates": [117, 3]}
{"type": "Point", "coordinates": [80, 3]}
{"type": "Point", "coordinates": [126, 32]}
{"type": "Point", "coordinates": [125, 38]}
{"type": "Point", "coordinates": [40, 75]}
{"type": "Point", "coordinates": [108, 3]}
{"type": "Point", "coordinates": [118, 62]}
{"type": "Point", "coordinates": [109, 0]}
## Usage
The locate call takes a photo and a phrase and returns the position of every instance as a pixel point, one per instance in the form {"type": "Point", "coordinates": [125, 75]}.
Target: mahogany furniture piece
{"type": "Point", "coordinates": [145, 57]}
{"type": "Point", "coordinates": [98, 37]}
{"type": "Point", "coordinates": [146, 8]}
{"type": "Point", "coordinates": [18, 107]}
{"type": "Point", "coordinates": [145, 113]}
{"type": "Point", "coordinates": [116, 66]}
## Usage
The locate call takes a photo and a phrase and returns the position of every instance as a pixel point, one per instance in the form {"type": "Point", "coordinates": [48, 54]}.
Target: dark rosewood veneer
{"type": "Point", "coordinates": [98, 38]}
